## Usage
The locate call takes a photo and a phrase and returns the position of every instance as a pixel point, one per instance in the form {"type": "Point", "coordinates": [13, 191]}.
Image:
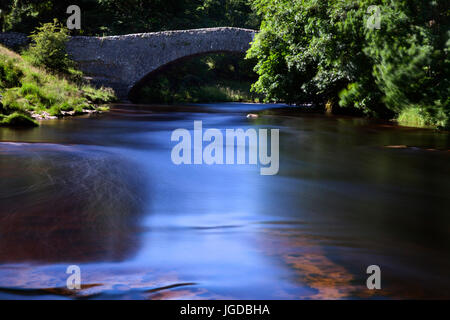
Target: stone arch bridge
{"type": "Point", "coordinates": [123, 62]}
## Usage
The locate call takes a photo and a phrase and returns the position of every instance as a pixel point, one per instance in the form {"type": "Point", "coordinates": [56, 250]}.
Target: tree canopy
{"type": "Point", "coordinates": [324, 51]}
{"type": "Point", "coordinates": [113, 17]}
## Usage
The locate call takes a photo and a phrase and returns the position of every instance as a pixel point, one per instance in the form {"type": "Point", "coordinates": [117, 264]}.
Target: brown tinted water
{"type": "Point", "coordinates": [101, 192]}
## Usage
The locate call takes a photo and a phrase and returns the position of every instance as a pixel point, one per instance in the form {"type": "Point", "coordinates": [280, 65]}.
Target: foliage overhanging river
{"type": "Point", "coordinates": [102, 192]}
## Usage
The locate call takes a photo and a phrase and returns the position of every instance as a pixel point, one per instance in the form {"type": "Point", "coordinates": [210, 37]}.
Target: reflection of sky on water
{"type": "Point", "coordinates": [203, 224]}
{"type": "Point", "coordinates": [241, 107]}
{"type": "Point", "coordinates": [339, 203]}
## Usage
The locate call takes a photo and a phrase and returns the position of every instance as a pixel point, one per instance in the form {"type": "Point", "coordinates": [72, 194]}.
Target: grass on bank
{"type": "Point", "coordinates": [27, 91]}
{"type": "Point", "coordinates": [232, 91]}
{"type": "Point", "coordinates": [218, 77]}
{"type": "Point", "coordinates": [415, 116]}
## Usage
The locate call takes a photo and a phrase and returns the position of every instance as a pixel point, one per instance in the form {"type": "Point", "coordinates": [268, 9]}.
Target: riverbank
{"type": "Point", "coordinates": [29, 93]}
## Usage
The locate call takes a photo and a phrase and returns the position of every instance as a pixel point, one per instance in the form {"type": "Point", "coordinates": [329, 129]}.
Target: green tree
{"type": "Point", "coordinates": [323, 51]}
{"type": "Point", "coordinates": [411, 62]}
{"type": "Point", "coordinates": [113, 17]}
{"type": "Point", "coordinates": [48, 48]}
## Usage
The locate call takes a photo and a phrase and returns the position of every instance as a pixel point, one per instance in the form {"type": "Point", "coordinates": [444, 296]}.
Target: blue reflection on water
{"type": "Point", "coordinates": [104, 194]}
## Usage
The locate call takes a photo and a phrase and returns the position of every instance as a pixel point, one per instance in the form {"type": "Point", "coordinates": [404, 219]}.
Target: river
{"type": "Point", "coordinates": [102, 193]}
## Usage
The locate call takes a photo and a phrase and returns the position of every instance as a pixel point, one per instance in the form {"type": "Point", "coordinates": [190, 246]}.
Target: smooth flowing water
{"type": "Point", "coordinates": [101, 192]}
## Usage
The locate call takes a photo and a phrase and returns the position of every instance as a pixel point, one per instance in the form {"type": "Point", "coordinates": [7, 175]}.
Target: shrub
{"type": "Point", "coordinates": [48, 48]}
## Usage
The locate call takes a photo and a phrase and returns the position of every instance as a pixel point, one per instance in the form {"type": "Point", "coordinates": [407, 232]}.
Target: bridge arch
{"type": "Point", "coordinates": [122, 62]}
{"type": "Point", "coordinates": [134, 90]}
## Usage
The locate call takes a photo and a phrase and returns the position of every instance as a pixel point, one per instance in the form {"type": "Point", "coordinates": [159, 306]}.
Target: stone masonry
{"type": "Point", "coordinates": [121, 62]}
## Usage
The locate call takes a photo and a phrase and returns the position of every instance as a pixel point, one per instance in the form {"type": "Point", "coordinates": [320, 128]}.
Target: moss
{"type": "Point", "coordinates": [18, 120]}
